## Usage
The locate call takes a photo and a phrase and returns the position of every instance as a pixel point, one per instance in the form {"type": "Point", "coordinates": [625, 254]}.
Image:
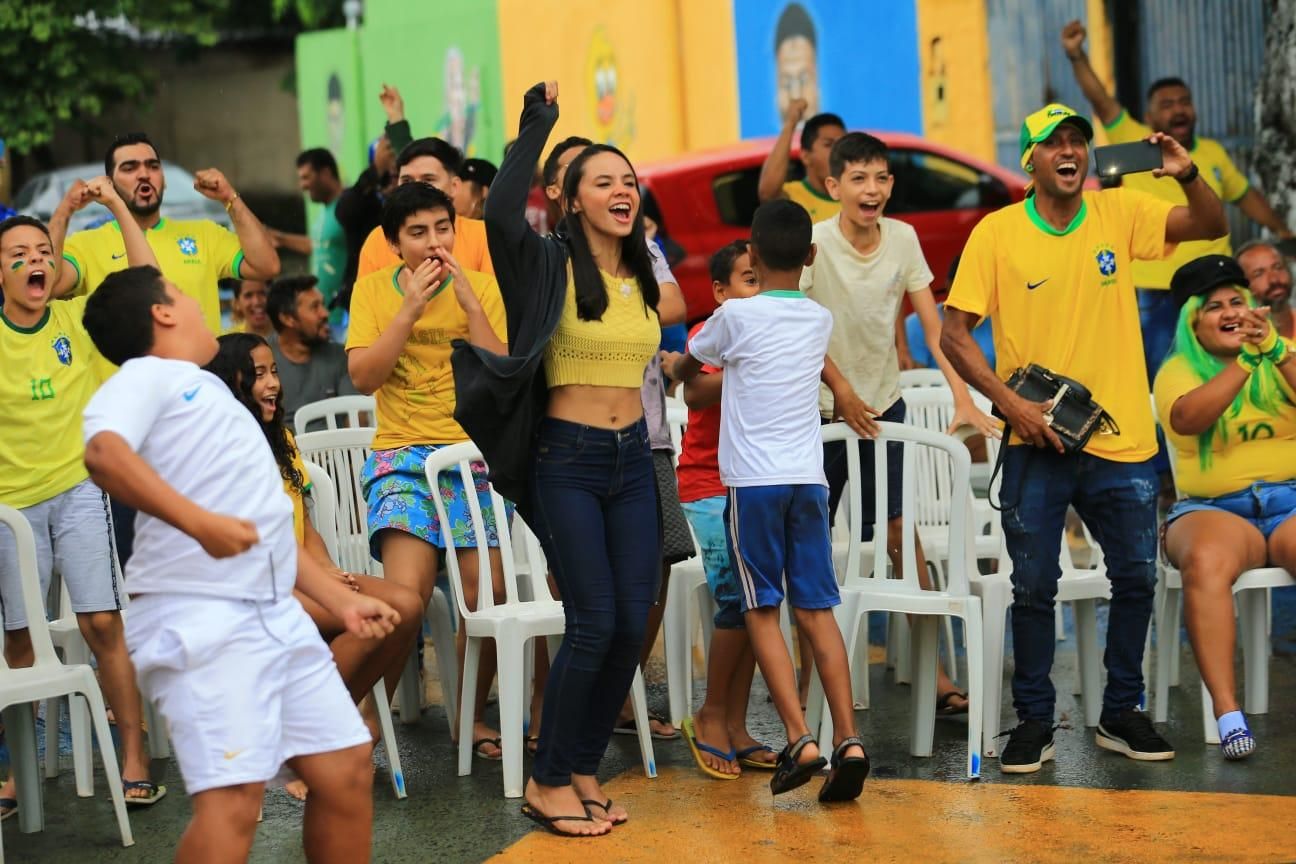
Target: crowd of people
{"type": "Point", "coordinates": [523, 309]}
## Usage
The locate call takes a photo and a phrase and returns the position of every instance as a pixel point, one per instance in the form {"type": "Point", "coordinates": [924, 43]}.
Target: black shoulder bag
{"type": "Point", "coordinates": [1074, 417]}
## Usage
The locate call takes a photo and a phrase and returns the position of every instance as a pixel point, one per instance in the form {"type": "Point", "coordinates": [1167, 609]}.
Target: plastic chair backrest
{"type": "Point", "coordinates": [322, 508]}
{"type": "Point", "coordinates": [33, 602]}
{"type": "Point", "coordinates": [922, 378]}
{"type": "Point", "coordinates": [932, 408]}
{"type": "Point", "coordinates": [342, 454]}
{"type": "Point", "coordinates": [356, 411]}
{"type": "Point", "coordinates": [914, 441]}
{"type": "Point", "coordinates": [459, 458]}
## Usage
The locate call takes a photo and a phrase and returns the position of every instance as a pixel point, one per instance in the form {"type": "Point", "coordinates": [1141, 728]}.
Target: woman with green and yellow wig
{"type": "Point", "coordinates": [1226, 398]}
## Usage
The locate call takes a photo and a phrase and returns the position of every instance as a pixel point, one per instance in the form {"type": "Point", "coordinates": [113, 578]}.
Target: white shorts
{"type": "Point", "coordinates": [74, 536]}
{"type": "Point", "coordinates": [243, 687]}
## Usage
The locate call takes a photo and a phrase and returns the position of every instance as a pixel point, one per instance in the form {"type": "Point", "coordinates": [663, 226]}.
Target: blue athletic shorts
{"type": "Point", "coordinates": [778, 530]}
{"type": "Point", "coordinates": [1264, 505]}
{"type": "Point", "coordinates": [707, 516]}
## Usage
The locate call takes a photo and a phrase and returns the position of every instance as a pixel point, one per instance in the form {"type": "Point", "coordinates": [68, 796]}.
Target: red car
{"type": "Point", "coordinates": [706, 199]}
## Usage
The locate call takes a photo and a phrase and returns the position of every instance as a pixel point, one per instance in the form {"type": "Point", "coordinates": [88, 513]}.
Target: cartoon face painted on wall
{"type": "Point", "coordinates": [612, 106]}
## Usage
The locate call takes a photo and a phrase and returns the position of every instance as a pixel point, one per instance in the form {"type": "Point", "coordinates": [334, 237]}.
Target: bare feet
{"type": "Point", "coordinates": [711, 730]}
{"type": "Point", "coordinates": [550, 801]}
{"type": "Point", "coordinates": [956, 703]}
{"type": "Point", "coordinates": [296, 789]}
{"type": "Point", "coordinates": [602, 806]}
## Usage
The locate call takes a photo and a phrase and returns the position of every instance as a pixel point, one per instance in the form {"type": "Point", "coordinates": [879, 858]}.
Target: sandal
{"type": "Point", "coordinates": [744, 757]}
{"type": "Point", "coordinates": [628, 727]}
{"type": "Point", "coordinates": [532, 744]}
{"type": "Point", "coordinates": [476, 746]}
{"type": "Point", "coordinates": [155, 792]}
{"type": "Point", "coordinates": [606, 806]}
{"type": "Point", "coordinates": [697, 748]}
{"type": "Point", "coordinates": [547, 822]}
{"type": "Point", "coordinates": [945, 709]}
{"type": "Point", "coordinates": [846, 779]}
{"type": "Point", "coordinates": [789, 774]}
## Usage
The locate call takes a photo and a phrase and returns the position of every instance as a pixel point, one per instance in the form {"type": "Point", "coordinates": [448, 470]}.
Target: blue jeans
{"type": "Point", "coordinates": [1158, 316]}
{"type": "Point", "coordinates": [596, 516]}
{"type": "Point", "coordinates": [1117, 500]}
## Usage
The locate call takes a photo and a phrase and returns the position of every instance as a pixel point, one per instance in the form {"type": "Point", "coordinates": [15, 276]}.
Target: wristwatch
{"type": "Point", "coordinates": [1190, 176]}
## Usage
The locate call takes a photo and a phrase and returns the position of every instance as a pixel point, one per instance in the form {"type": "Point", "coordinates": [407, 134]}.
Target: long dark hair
{"type": "Point", "coordinates": [591, 292]}
{"type": "Point", "coordinates": [233, 365]}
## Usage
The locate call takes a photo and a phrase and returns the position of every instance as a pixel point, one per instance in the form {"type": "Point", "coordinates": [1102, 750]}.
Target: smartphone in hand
{"type": "Point", "coordinates": [1117, 160]}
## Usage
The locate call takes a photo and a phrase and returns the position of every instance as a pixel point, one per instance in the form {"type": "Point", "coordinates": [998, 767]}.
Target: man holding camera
{"type": "Point", "coordinates": [1054, 274]}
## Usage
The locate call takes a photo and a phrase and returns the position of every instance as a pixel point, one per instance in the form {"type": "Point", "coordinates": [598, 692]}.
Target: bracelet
{"type": "Point", "coordinates": [229, 205]}
{"type": "Point", "coordinates": [1276, 355]}
{"type": "Point", "coordinates": [1250, 362]}
{"type": "Point", "coordinates": [1190, 176]}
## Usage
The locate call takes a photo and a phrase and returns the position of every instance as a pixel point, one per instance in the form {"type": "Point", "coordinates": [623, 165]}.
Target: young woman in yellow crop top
{"type": "Point", "coordinates": [593, 494]}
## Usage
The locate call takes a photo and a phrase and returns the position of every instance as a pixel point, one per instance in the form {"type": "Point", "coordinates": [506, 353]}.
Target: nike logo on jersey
{"type": "Point", "coordinates": [190, 394]}
{"type": "Point", "coordinates": [1031, 286]}
{"type": "Point", "coordinates": [231, 754]}
{"type": "Point", "coordinates": [119, 257]}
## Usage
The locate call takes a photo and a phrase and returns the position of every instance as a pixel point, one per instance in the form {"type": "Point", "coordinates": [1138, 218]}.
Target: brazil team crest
{"type": "Point", "coordinates": [1105, 258]}
{"type": "Point", "coordinates": [188, 246]}
{"type": "Point", "coordinates": [63, 349]}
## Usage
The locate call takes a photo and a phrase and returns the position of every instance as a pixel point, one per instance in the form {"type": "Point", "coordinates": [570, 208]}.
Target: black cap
{"type": "Point", "coordinates": [478, 171]}
{"type": "Point", "coordinates": [1204, 274]}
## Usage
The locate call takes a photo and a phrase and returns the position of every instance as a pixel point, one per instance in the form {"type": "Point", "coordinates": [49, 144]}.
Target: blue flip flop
{"type": "Point", "coordinates": [698, 748]}
{"type": "Point", "coordinates": [745, 760]}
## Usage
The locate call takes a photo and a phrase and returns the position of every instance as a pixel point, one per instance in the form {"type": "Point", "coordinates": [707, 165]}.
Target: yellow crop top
{"type": "Point", "coordinates": [613, 352]}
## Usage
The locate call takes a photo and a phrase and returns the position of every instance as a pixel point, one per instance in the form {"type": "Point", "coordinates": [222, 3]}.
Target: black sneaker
{"type": "Point", "coordinates": [1030, 745]}
{"type": "Point", "coordinates": [1131, 733]}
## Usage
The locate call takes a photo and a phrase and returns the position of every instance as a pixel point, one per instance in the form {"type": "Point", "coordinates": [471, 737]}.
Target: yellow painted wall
{"type": "Point", "coordinates": [954, 63]}
{"type": "Point", "coordinates": [709, 62]}
{"type": "Point", "coordinates": [616, 63]}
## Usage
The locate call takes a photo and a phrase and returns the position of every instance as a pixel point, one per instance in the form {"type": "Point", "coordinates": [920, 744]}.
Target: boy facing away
{"type": "Point", "coordinates": [773, 348]}
{"type": "Point", "coordinates": [231, 659]}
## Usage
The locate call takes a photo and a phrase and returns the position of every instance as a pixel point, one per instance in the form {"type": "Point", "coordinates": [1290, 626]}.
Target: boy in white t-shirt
{"type": "Point", "coordinates": [865, 266]}
{"type": "Point", "coordinates": [233, 662]}
{"type": "Point", "coordinates": [773, 349]}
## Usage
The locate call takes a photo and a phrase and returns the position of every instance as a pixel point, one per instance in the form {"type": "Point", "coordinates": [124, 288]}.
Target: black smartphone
{"type": "Point", "coordinates": [1116, 160]}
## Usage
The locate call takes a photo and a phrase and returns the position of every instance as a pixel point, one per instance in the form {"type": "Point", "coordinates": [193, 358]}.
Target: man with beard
{"type": "Point", "coordinates": [311, 367]}
{"type": "Point", "coordinates": [1170, 110]}
{"type": "Point", "coordinates": [194, 255]}
{"type": "Point", "coordinates": [1270, 281]}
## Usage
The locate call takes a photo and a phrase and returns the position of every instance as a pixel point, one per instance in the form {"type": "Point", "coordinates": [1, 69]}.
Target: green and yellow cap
{"type": "Point", "coordinates": [1041, 124]}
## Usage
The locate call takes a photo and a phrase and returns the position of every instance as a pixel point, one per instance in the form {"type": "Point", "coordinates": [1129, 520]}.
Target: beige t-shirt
{"type": "Point", "coordinates": [864, 292]}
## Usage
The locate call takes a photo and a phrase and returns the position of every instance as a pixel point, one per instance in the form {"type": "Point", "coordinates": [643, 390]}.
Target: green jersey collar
{"type": "Point", "coordinates": [1036, 218]}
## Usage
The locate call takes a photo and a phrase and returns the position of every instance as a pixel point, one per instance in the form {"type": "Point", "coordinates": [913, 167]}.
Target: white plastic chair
{"type": "Point", "coordinates": [512, 624]}
{"type": "Point", "coordinates": [922, 378]}
{"type": "Point", "coordinates": [342, 454]}
{"type": "Point", "coordinates": [358, 412]}
{"type": "Point", "coordinates": [47, 678]}
{"type": "Point", "coordinates": [323, 513]}
{"type": "Point", "coordinates": [687, 599]}
{"type": "Point", "coordinates": [866, 587]}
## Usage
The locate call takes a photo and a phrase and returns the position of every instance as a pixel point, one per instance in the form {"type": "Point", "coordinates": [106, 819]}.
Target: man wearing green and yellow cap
{"type": "Point", "coordinates": [1054, 274]}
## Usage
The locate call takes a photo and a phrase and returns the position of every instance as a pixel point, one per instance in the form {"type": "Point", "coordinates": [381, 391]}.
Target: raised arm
{"type": "Point", "coordinates": [1104, 105]}
{"type": "Point", "coordinates": [774, 172]}
{"type": "Point", "coordinates": [1204, 217]}
{"type": "Point", "coordinates": [138, 251]}
{"type": "Point", "coordinates": [1257, 209]}
{"type": "Point", "coordinates": [260, 260]}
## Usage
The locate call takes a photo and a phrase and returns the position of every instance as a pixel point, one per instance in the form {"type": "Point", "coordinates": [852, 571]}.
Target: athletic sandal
{"type": "Point", "coordinates": [476, 746]}
{"type": "Point", "coordinates": [8, 807]}
{"type": "Point", "coordinates": [945, 709]}
{"type": "Point", "coordinates": [789, 774]}
{"type": "Point", "coordinates": [698, 748]}
{"type": "Point", "coordinates": [532, 744]}
{"type": "Point", "coordinates": [846, 779]}
{"type": "Point", "coordinates": [606, 807]}
{"type": "Point", "coordinates": [155, 792]}
{"type": "Point", "coordinates": [628, 727]}
{"type": "Point", "coordinates": [745, 760]}
{"type": "Point", "coordinates": [547, 822]}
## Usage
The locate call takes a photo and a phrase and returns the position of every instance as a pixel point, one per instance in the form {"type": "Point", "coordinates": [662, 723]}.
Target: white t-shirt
{"type": "Point", "coordinates": [185, 423]}
{"type": "Point", "coordinates": [772, 349]}
{"type": "Point", "coordinates": [863, 292]}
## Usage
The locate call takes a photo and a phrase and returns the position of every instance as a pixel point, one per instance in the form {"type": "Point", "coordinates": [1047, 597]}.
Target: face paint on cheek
{"type": "Point", "coordinates": [18, 265]}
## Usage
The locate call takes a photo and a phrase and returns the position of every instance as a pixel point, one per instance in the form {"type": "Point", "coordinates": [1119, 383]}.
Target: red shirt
{"type": "Point", "coordinates": [699, 462]}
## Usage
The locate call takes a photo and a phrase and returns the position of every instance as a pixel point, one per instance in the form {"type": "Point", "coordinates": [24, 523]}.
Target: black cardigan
{"type": "Point", "coordinates": [500, 400]}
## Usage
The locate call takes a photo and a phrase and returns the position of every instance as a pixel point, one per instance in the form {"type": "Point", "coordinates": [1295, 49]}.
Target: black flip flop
{"type": "Point", "coordinates": [153, 792]}
{"type": "Point", "coordinates": [547, 822]}
{"type": "Point", "coordinates": [846, 779]}
{"type": "Point", "coordinates": [789, 774]}
{"type": "Point", "coordinates": [494, 742]}
{"type": "Point", "coordinates": [606, 807]}
{"type": "Point", "coordinates": [945, 709]}
{"type": "Point", "coordinates": [628, 727]}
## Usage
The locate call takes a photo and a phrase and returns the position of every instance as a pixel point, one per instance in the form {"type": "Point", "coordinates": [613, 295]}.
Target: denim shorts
{"type": "Point", "coordinates": [706, 515]}
{"type": "Point", "coordinates": [1264, 505]}
{"type": "Point", "coordinates": [398, 496]}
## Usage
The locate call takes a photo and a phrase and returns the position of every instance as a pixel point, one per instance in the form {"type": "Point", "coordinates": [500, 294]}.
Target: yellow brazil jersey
{"type": "Point", "coordinates": [47, 375]}
{"type": "Point", "coordinates": [193, 255]}
{"type": "Point", "coordinates": [416, 404]}
{"type": "Point", "coordinates": [820, 207]}
{"type": "Point", "coordinates": [298, 496]}
{"type": "Point", "coordinates": [1220, 174]}
{"type": "Point", "coordinates": [470, 249]}
{"type": "Point", "coordinates": [1257, 447]}
{"type": "Point", "coordinates": [1065, 300]}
